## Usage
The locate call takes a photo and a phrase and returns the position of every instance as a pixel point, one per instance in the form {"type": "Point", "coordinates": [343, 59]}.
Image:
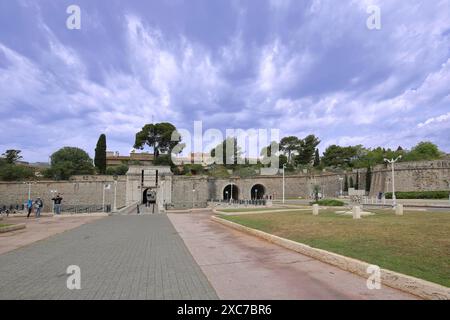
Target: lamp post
{"type": "Point", "coordinates": [392, 162]}
{"type": "Point", "coordinates": [193, 198]}
{"type": "Point", "coordinates": [231, 193]}
{"type": "Point", "coordinates": [53, 192]}
{"type": "Point", "coordinates": [340, 183]}
{"type": "Point", "coordinates": [115, 193]}
{"type": "Point", "coordinates": [284, 168]}
{"type": "Point", "coordinates": [226, 198]}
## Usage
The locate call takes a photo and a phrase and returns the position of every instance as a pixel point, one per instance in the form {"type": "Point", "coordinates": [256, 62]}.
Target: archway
{"type": "Point", "coordinates": [231, 191]}
{"type": "Point", "coordinates": [148, 196]}
{"type": "Point", "coordinates": [257, 192]}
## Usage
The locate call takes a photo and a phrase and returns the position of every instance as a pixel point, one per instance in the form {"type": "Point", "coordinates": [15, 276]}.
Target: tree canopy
{"type": "Point", "coordinates": [158, 137]}
{"type": "Point", "coordinates": [69, 161]}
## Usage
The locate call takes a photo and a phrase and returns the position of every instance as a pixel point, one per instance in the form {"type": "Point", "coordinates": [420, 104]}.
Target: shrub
{"type": "Point", "coordinates": [13, 172]}
{"type": "Point", "coordinates": [329, 203]}
{"type": "Point", "coordinates": [119, 170]}
{"type": "Point", "coordinates": [419, 195]}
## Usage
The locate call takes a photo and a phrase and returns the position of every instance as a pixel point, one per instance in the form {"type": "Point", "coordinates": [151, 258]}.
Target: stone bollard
{"type": "Point", "coordinates": [356, 212]}
{"type": "Point", "coordinates": [399, 209]}
{"type": "Point", "coordinates": [315, 209]}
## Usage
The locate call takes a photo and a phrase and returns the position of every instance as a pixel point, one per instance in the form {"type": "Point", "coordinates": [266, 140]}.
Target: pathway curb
{"type": "Point", "coordinates": [421, 288]}
{"type": "Point", "coordinates": [14, 227]}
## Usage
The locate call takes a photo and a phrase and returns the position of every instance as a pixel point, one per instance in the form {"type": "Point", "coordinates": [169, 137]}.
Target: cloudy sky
{"type": "Point", "coordinates": [303, 66]}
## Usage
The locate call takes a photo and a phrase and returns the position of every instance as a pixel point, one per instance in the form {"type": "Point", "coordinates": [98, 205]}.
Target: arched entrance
{"type": "Point", "coordinates": [257, 192]}
{"type": "Point", "coordinates": [149, 196]}
{"type": "Point", "coordinates": [231, 191]}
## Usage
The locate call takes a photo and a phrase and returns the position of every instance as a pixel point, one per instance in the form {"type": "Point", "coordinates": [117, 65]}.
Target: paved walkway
{"type": "Point", "coordinates": [240, 266]}
{"type": "Point", "coordinates": [38, 229]}
{"type": "Point", "coordinates": [121, 257]}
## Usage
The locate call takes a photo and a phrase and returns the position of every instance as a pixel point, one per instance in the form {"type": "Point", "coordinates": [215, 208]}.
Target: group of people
{"type": "Point", "coordinates": [38, 204]}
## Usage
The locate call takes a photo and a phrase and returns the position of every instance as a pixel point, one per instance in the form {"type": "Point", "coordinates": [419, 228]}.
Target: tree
{"type": "Point", "coordinates": [351, 184]}
{"type": "Point", "coordinates": [368, 178]}
{"type": "Point", "coordinates": [100, 154]}
{"type": "Point", "coordinates": [69, 161]}
{"type": "Point", "coordinates": [346, 184]}
{"type": "Point", "coordinates": [357, 181]}
{"type": "Point", "coordinates": [316, 158]}
{"type": "Point", "coordinates": [306, 149]}
{"type": "Point", "coordinates": [423, 151]}
{"type": "Point", "coordinates": [12, 156]}
{"type": "Point", "coordinates": [13, 172]}
{"type": "Point", "coordinates": [288, 145]}
{"type": "Point", "coordinates": [158, 137]}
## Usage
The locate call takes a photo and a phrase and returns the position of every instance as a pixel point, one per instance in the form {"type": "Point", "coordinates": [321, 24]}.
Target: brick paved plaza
{"type": "Point", "coordinates": [121, 257]}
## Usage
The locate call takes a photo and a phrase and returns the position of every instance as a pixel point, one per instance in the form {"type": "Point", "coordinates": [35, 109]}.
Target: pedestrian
{"type": "Point", "coordinates": [29, 207]}
{"type": "Point", "coordinates": [38, 205]}
{"type": "Point", "coordinates": [57, 203]}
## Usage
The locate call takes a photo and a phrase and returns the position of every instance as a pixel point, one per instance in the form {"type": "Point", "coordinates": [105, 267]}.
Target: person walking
{"type": "Point", "coordinates": [29, 207]}
{"type": "Point", "coordinates": [38, 205]}
{"type": "Point", "coordinates": [57, 203]}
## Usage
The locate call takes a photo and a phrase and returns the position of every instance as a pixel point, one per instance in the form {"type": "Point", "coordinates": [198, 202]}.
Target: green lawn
{"type": "Point", "coordinates": [4, 225]}
{"type": "Point", "coordinates": [252, 209]}
{"type": "Point", "coordinates": [417, 244]}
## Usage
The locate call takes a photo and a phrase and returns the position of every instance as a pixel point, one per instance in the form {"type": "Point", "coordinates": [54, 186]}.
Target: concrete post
{"type": "Point", "coordinates": [399, 210]}
{"type": "Point", "coordinates": [315, 209]}
{"type": "Point", "coordinates": [356, 212]}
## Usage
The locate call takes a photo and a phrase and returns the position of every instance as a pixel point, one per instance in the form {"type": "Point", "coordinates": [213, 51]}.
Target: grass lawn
{"type": "Point", "coordinates": [416, 244]}
{"type": "Point", "coordinates": [4, 225]}
{"type": "Point", "coordinates": [252, 209]}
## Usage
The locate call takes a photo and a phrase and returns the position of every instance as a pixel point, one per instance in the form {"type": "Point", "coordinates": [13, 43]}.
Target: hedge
{"type": "Point", "coordinates": [419, 195]}
{"type": "Point", "coordinates": [329, 203]}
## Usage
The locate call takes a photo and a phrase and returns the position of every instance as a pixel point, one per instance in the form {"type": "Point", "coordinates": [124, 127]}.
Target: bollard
{"type": "Point", "coordinates": [399, 209]}
{"type": "Point", "coordinates": [315, 209]}
{"type": "Point", "coordinates": [356, 212]}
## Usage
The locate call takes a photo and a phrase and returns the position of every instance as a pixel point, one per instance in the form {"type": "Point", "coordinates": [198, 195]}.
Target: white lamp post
{"type": "Point", "coordinates": [284, 168]}
{"type": "Point", "coordinates": [392, 162]}
{"type": "Point", "coordinates": [226, 198]}
{"type": "Point", "coordinates": [115, 193]}
{"type": "Point", "coordinates": [340, 182]}
{"type": "Point", "coordinates": [193, 198]}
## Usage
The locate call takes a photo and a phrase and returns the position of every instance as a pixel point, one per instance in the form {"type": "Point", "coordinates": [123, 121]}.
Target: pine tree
{"type": "Point", "coordinates": [368, 178]}
{"type": "Point", "coordinates": [100, 154]}
{"type": "Point", "coordinates": [346, 184]}
{"type": "Point", "coordinates": [316, 158]}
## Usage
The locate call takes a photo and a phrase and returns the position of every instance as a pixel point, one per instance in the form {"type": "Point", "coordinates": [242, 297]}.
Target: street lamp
{"type": "Point", "coordinates": [115, 177]}
{"type": "Point", "coordinates": [226, 198]}
{"type": "Point", "coordinates": [392, 162]}
{"type": "Point", "coordinates": [193, 198]}
{"type": "Point", "coordinates": [284, 168]}
{"type": "Point", "coordinates": [340, 181]}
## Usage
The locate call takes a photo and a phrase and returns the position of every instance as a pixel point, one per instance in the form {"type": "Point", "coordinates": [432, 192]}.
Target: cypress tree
{"type": "Point", "coordinates": [100, 154]}
{"type": "Point", "coordinates": [316, 158]}
{"type": "Point", "coordinates": [357, 181]}
{"type": "Point", "coordinates": [346, 184]}
{"type": "Point", "coordinates": [368, 178]}
{"type": "Point", "coordinates": [351, 184]}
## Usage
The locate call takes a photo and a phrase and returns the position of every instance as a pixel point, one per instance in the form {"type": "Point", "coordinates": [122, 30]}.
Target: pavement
{"type": "Point", "coordinates": [240, 266]}
{"type": "Point", "coordinates": [120, 257]}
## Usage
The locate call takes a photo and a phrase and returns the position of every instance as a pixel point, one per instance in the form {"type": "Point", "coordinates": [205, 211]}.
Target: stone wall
{"type": "Point", "coordinates": [87, 190]}
{"type": "Point", "coordinates": [412, 176]}
{"type": "Point", "coordinates": [78, 191]}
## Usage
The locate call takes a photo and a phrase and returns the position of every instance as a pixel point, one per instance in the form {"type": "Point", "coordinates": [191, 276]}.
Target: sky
{"type": "Point", "coordinates": [301, 66]}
